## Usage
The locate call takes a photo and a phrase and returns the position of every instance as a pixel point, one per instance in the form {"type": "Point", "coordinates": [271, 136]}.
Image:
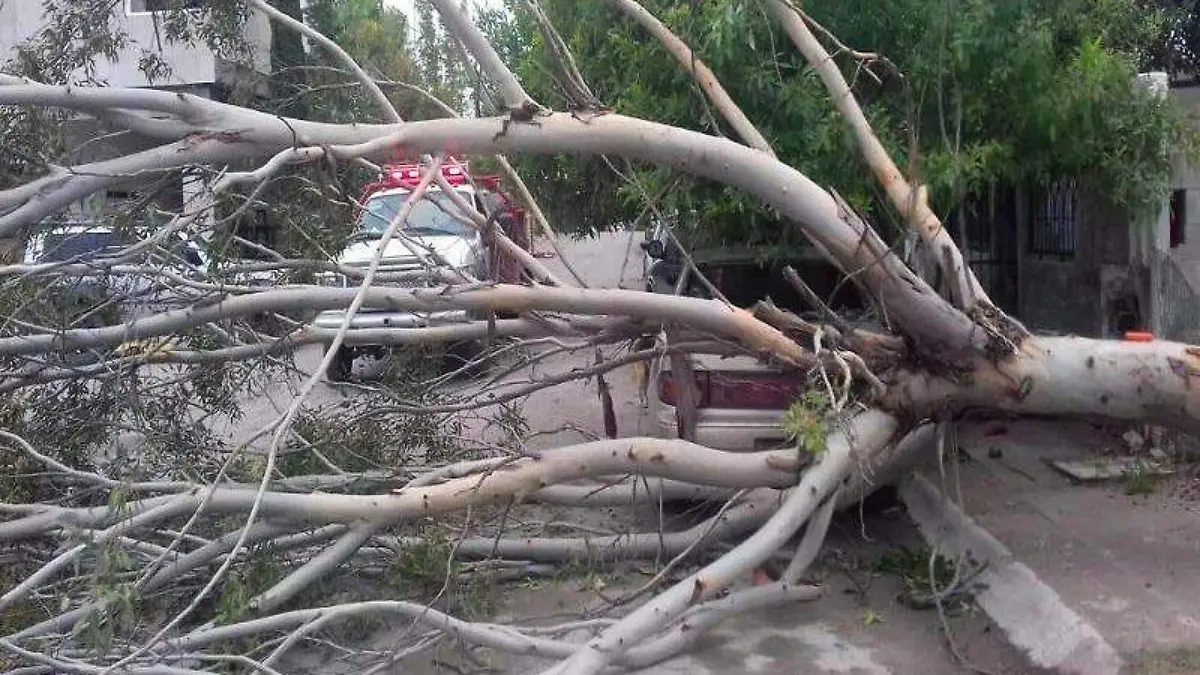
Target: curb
{"type": "Point", "coordinates": [1032, 615]}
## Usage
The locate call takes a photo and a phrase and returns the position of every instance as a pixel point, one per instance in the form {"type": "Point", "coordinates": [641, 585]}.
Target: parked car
{"type": "Point", "coordinates": [104, 296]}
{"type": "Point", "coordinates": [741, 399]}
{"type": "Point", "coordinates": [436, 239]}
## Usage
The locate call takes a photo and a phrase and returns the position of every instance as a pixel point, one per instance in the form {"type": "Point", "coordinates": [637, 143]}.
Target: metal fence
{"type": "Point", "coordinates": [990, 229]}
{"type": "Point", "coordinates": [1054, 219]}
{"type": "Point", "coordinates": [1178, 302]}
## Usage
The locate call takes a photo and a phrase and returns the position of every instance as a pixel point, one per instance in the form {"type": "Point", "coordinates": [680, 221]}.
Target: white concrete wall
{"type": "Point", "coordinates": [258, 33]}
{"type": "Point", "coordinates": [21, 19]}
{"type": "Point", "coordinates": [1187, 177]}
{"type": "Point", "coordinates": [189, 64]}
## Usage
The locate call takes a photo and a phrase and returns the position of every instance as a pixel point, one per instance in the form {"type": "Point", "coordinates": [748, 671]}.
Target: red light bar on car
{"type": "Point", "coordinates": [404, 176]}
{"type": "Point", "coordinates": [401, 175]}
{"type": "Point", "coordinates": [455, 174]}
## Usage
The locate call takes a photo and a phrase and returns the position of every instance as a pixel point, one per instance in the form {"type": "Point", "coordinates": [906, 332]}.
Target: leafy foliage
{"type": "Point", "coordinates": [928, 577]}
{"type": "Point", "coordinates": [260, 571]}
{"type": "Point", "coordinates": [1139, 480]}
{"type": "Point", "coordinates": [807, 421]}
{"type": "Point", "coordinates": [423, 568]}
{"type": "Point", "coordinates": [1013, 91]}
{"type": "Point", "coordinates": [313, 207]}
{"type": "Point", "coordinates": [1179, 52]}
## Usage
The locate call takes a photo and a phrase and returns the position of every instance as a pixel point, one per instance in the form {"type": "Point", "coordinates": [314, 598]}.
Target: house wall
{"type": "Point", "coordinates": [1051, 301]}
{"type": "Point", "coordinates": [1178, 303]}
{"type": "Point", "coordinates": [195, 69]}
{"type": "Point", "coordinates": [1186, 176]}
{"type": "Point", "coordinates": [1175, 272]}
{"type": "Point", "coordinates": [94, 141]}
{"type": "Point", "coordinates": [190, 64]}
{"type": "Point", "coordinates": [1123, 272]}
{"type": "Point", "coordinates": [1086, 293]}
{"type": "Point", "coordinates": [1177, 269]}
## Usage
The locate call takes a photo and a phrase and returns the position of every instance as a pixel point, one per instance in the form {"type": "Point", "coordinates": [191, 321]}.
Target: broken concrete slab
{"type": "Point", "coordinates": [1126, 564]}
{"type": "Point", "coordinates": [1110, 468]}
{"type": "Point", "coordinates": [1033, 617]}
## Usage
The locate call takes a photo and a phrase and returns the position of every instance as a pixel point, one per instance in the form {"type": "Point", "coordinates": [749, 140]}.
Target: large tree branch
{"type": "Point", "coordinates": [704, 315]}
{"type": "Point", "coordinates": [748, 513]}
{"type": "Point", "coordinates": [911, 303]}
{"type": "Point", "coordinates": [1153, 382]}
{"type": "Point", "coordinates": [703, 75]}
{"type": "Point", "coordinates": [381, 99]}
{"type": "Point", "coordinates": [50, 194]}
{"type": "Point", "coordinates": [601, 330]}
{"type": "Point", "coordinates": [674, 459]}
{"type": "Point", "coordinates": [485, 55]}
{"type": "Point", "coordinates": [864, 435]}
{"type": "Point", "coordinates": [911, 202]}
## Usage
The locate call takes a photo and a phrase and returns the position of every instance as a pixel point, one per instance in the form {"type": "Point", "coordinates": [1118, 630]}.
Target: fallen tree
{"type": "Point", "coordinates": [148, 562]}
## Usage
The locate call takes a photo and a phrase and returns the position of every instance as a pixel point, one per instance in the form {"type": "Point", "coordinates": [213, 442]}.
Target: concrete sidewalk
{"type": "Point", "coordinates": [1125, 567]}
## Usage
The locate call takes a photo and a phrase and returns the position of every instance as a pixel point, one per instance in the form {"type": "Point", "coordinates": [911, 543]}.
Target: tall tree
{"type": "Point", "coordinates": [193, 550]}
{"type": "Point", "coordinates": [441, 70]}
{"type": "Point", "coordinates": [1178, 52]}
{"type": "Point", "coordinates": [983, 91]}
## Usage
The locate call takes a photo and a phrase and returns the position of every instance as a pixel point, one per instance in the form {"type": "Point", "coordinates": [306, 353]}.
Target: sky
{"type": "Point", "coordinates": [406, 6]}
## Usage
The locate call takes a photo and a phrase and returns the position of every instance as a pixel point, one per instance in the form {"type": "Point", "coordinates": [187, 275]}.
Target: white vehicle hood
{"type": "Point", "coordinates": [458, 252]}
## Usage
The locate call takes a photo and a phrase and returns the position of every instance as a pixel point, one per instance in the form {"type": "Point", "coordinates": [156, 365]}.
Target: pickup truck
{"type": "Point", "coordinates": [435, 238]}
{"type": "Point", "coordinates": [742, 401]}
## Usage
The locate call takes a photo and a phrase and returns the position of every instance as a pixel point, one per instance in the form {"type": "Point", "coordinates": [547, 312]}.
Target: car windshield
{"type": "Point", "coordinates": [61, 246]}
{"type": "Point", "coordinates": [433, 214]}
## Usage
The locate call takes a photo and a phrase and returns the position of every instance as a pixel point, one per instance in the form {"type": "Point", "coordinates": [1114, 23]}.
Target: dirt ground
{"type": "Point", "coordinates": [860, 625]}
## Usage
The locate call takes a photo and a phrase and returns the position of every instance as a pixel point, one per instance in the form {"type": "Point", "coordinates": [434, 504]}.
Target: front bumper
{"type": "Point", "coordinates": [727, 429]}
{"type": "Point", "coordinates": [333, 319]}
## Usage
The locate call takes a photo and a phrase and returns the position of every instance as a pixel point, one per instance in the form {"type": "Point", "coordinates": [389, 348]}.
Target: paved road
{"type": "Point", "coordinates": [573, 406]}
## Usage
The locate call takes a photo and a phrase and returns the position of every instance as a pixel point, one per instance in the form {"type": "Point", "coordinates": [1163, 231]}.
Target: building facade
{"type": "Point", "coordinates": [1066, 261]}
{"type": "Point", "coordinates": [192, 68]}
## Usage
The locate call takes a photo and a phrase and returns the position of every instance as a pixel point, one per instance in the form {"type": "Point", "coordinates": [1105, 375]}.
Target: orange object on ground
{"type": "Point", "coordinates": [1139, 336]}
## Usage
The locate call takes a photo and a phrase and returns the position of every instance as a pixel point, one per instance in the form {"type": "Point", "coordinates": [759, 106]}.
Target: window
{"type": "Point", "coordinates": [65, 246]}
{"type": "Point", "coordinates": [744, 283]}
{"type": "Point", "coordinates": [148, 6]}
{"type": "Point", "coordinates": [434, 214]}
{"type": "Point", "coordinates": [1054, 220]}
{"type": "Point", "coordinates": [1178, 218]}
{"type": "Point", "coordinates": [118, 199]}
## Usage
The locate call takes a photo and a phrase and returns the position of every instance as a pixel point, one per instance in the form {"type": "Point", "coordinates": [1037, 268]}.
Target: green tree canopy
{"type": "Point", "coordinates": [313, 206]}
{"type": "Point", "coordinates": [1015, 91]}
